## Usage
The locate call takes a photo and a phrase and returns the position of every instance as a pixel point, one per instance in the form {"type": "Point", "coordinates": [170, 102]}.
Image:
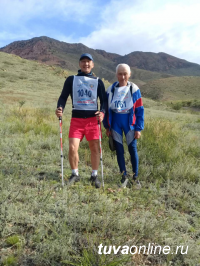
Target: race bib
{"type": "Point", "coordinates": [122, 100]}
{"type": "Point", "coordinates": [84, 93]}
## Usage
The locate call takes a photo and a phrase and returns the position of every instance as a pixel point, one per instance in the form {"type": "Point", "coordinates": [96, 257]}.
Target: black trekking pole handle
{"type": "Point", "coordinates": [60, 117]}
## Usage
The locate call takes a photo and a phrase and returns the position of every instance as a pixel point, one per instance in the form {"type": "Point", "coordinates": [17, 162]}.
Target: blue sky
{"type": "Point", "coordinates": [115, 26]}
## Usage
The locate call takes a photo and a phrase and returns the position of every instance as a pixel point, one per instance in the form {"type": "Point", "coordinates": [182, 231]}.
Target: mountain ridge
{"type": "Point", "coordinates": [66, 55]}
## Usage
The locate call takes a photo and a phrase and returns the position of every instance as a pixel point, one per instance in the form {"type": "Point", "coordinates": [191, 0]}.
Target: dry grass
{"type": "Point", "coordinates": [42, 224]}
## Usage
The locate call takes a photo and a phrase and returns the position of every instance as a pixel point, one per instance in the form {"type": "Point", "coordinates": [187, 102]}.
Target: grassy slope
{"type": "Point", "coordinates": [173, 88]}
{"type": "Point", "coordinates": [33, 82]}
{"type": "Point", "coordinates": [42, 224]}
{"type": "Point", "coordinates": [189, 71]}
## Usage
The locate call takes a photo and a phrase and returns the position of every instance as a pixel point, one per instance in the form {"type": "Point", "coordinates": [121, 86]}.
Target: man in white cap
{"type": "Point", "coordinates": [84, 90]}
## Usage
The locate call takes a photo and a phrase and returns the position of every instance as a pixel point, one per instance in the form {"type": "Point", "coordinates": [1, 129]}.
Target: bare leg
{"type": "Point", "coordinates": [73, 152]}
{"type": "Point", "coordinates": [94, 148]}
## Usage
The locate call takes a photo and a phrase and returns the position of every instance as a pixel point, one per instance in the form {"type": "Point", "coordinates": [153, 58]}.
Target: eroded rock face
{"type": "Point", "coordinates": [34, 49]}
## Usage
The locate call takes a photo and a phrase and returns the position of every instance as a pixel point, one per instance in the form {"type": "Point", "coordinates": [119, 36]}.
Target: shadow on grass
{"type": "Point", "coordinates": [55, 176]}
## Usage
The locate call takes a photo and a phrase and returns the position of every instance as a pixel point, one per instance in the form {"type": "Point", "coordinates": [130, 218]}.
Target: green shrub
{"type": "Point", "coordinates": [177, 106]}
{"type": "Point", "coordinates": [13, 240]}
{"type": "Point", "coordinates": [10, 261]}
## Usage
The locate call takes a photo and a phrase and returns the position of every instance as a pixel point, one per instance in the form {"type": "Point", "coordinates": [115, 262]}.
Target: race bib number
{"type": "Point", "coordinates": [85, 93]}
{"type": "Point", "coordinates": [122, 100]}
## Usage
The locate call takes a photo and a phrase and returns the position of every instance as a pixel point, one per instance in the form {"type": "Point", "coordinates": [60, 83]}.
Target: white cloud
{"type": "Point", "coordinates": [15, 11]}
{"type": "Point", "coordinates": [119, 26]}
{"type": "Point", "coordinates": [168, 26]}
{"type": "Point", "coordinates": [24, 19]}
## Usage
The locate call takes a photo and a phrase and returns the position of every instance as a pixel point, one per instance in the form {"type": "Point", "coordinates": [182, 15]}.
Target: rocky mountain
{"type": "Point", "coordinates": [160, 62]}
{"type": "Point", "coordinates": [145, 65]}
{"type": "Point", "coordinates": [156, 62]}
{"type": "Point", "coordinates": [65, 55]}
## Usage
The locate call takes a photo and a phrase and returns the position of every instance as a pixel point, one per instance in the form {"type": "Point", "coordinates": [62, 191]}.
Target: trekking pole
{"type": "Point", "coordinates": [61, 148]}
{"type": "Point", "coordinates": [101, 154]}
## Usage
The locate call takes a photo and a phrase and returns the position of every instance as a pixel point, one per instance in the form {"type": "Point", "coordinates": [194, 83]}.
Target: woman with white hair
{"type": "Point", "coordinates": [125, 114]}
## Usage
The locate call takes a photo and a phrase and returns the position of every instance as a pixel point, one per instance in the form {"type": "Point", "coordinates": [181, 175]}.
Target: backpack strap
{"type": "Point", "coordinates": [113, 89]}
{"type": "Point", "coordinates": [131, 90]}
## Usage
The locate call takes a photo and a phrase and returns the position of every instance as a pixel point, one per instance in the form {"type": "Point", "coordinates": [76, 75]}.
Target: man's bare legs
{"type": "Point", "coordinates": [73, 152]}
{"type": "Point", "coordinates": [95, 156]}
{"type": "Point", "coordinates": [74, 158]}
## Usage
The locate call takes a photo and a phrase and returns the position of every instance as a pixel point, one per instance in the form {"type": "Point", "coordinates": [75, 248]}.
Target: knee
{"type": "Point", "coordinates": [132, 150]}
{"type": "Point", "coordinates": [72, 148]}
{"type": "Point", "coordinates": [94, 146]}
{"type": "Point", "coordinates": [133, 145]}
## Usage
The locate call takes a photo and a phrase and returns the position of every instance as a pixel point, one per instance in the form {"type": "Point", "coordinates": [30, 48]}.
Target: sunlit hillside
{"type": "Point", "coordinates": [45, 224]}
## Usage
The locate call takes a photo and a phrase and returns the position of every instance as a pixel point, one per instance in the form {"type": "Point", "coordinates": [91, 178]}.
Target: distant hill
{"type": "Point", "coordinates": [160, 62]}
{"type": "Point", "coordinates": [66, 55]}
{"type": "Point", "coordinates": [156, 62]}
{"type": "Point", "coordinates": [33, 81]}
{"type": "Point", "coordinates": [107, 55]}
{"type": "Point", "coordinates": [62, 54]}
{"type": "Point", "coordinates": [172, 89]}
{"type": "Point", "coordinates": [160, 76]}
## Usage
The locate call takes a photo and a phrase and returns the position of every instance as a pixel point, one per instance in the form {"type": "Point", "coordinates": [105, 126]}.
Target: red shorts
{"type": "Point", "coordinates": [80, 127]}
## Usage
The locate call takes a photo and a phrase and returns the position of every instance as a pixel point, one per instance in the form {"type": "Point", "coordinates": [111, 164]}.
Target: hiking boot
{"type": "Point", "coordinates": [95, 182]}
{"type": "Point", "coordinates": [136, 183]}
{"type": "Point", "coordinates": [124, 181]}
{"type": "Point", "coordinates": [73, 179]}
